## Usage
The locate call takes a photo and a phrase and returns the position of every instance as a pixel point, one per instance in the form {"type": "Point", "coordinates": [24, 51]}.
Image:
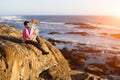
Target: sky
{"type": "Point", "coordinates": [59, 7]}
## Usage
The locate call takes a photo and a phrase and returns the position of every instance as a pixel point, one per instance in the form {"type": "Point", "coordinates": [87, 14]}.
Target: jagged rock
{"type": "Point", "coordinates": [98, 69]}
{"type": "Point", "coordinates": [21, 61]}
{"type": "Point", "coordinates": [80, 33]}
{"type": "Point", "coordinates": [76, 59]}
{"type": "Point", "coordinates": [58, 41]}
{"type": "Point", "coordinates": [53, 41]}
{"type": "Point", "coordinates": [104, 34]}
{"type": "Point", "coordinates": [52, 33]}
{"type": "Point", "coordinates": [83, 25]}
{"type": "Point", "coordinates": [114, 63]}
{"type": "Point", "coordinates": [78, 75]}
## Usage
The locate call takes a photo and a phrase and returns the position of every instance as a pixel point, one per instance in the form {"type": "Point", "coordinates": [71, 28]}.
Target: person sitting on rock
{"type": "Point", "coordinates": [31, 34]}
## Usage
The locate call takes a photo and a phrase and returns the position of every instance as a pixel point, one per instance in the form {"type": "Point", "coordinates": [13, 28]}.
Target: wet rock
{"type": "Point", "coordinates": [76, 59]}
{"type": "Point", "coordinates": [113, 77]}
{"type": "Point", "coordinates": [81, 33]}
{"type": "Point", "coordinates": [21, 61]}
{"type": "Point", "coordinates": [83, 25]}
{"type": "Point", "coordinates": [105, 34]}
{"type": "Point", "coordinates": [52, 33]}
{"type": "Point", "coordinates": [115, 71]}
{"type": "Point", "coordinates": [98, 69]}
{"type": "Point", "coordinates": [78, 75]}
{"type": "Point", "coordinates": [53, 41]}
{"type": "Point", "coordinates": [88, 48]}
{"type": "Point", "coordinates": [114, 63]}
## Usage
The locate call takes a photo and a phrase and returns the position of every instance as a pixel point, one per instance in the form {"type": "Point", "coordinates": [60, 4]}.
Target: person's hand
{"type": "Point", "coordinates": [36, 32]}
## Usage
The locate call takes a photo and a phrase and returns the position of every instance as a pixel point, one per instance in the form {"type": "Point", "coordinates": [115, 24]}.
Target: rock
{"type": "Point", "coordinates": [104, 34]}
{"type": "Point", "coordinates": [114, 63]}
{"type": "Point", "coordinates": [78, 75]}
{"type": "Point", "coordinates": [53, 41]}
{"type": "Point", "coordinates": [54, 33]}
{"type": "Point", "coordinates": [115, 71]}
{"type": "Point", "coordinates": [21, 61]}
{"type": "Point", "coordinates": [83, 25]}
{"type": "Point", "coordinates": [81, 33]}
{"type": "Point", "coordinates": [113, 77]}
{"type": "Point", "coordinates": [88, 47]}
{"type": "Point", "coordinates": [76, 60]}
{"type": "Point", "coordinates": [9, 32]}
{"type": "Point", "coordinates": [98, 69]}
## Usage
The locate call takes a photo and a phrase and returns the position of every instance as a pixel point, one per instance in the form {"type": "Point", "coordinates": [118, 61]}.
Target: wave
{"type": "Point", "coordinates": [51, 23]}
{"type": "Point", "coordinates": [9, 18]}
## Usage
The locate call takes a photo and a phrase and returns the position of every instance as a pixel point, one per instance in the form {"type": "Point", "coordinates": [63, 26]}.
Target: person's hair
{"type": "Point", "coordinates": [35, 21]}
{"type": "Point", "coordinates": [25, 22]}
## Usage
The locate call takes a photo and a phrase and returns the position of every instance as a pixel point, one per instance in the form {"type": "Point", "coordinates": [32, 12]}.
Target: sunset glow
{"type": "Point", "coordinates": [117, 12]}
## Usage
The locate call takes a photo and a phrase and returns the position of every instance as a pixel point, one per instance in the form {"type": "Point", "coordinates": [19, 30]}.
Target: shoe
{"type": "Point", "coordinates": [45, 52]}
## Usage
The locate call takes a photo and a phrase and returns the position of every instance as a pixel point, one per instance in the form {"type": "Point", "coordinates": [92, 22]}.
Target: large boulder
{"type": "Point", "coordinates": [75, 58]}
{"type": "Point", "coordinates": [21, 61]}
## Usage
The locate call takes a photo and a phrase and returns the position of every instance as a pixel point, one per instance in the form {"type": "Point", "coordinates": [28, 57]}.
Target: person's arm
{"type": "Point", "coordinates": [36, 30]}
{"type": "Point", "coordinates": [31, 30]}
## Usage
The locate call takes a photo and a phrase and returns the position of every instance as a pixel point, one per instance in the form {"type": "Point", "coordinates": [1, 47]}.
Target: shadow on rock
{"type": "Point", "coordinates": [12, 39]}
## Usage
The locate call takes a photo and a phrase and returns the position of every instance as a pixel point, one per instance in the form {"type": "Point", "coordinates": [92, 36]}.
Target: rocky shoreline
{"type": "Point", "coordinates": [83, 25]}
{"type": "Point", "coordinates": [20, 61]}
{"type": "Point", "coordinates": [80, 56]}
{"type": "Point", "coordinates": [90, 26]}
{"type": "Point", "coordinates": [79, 60]}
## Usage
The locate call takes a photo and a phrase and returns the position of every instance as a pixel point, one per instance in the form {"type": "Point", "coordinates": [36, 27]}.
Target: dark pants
{"type": "Point", "coordinates": [36, 44]}
{"type": "Point", "coordinates": [38, 40]}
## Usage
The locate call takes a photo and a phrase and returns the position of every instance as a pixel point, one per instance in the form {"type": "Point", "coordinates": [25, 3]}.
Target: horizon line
{"type": "Point", "coordinates": [54, 15]}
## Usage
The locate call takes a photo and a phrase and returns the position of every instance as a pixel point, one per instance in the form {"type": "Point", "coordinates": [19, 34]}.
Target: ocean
{"type": "Point", "coordinates": [73, 36]}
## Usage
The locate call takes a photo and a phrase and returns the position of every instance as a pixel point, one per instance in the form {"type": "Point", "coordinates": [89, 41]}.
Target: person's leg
{"type": "Point", "coordinates": [31, 42]}
{"type": "Point", "coordinates": [36, 45]}
{"type": "Point", "coordinates": [38, 40]}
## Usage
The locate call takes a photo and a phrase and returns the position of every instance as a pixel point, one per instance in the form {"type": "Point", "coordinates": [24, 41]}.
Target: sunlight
{"type": "Point", "coordinates": [116, 9]}
{"type": "Point", "coordinates": [117, 12]}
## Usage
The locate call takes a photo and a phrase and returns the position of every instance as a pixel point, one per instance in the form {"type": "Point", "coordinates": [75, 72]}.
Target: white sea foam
{"type": "Point", "coordinates": [51, 23]}
{"type": "Point", "coordinates": [4, 18]}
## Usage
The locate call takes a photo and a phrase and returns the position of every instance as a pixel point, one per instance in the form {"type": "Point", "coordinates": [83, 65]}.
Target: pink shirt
{"type": "Point", "coordinates": [26, 34]}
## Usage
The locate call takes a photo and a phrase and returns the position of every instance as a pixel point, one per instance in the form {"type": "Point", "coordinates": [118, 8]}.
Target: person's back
{"type": "Point", "coordinates": [26, 32]}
